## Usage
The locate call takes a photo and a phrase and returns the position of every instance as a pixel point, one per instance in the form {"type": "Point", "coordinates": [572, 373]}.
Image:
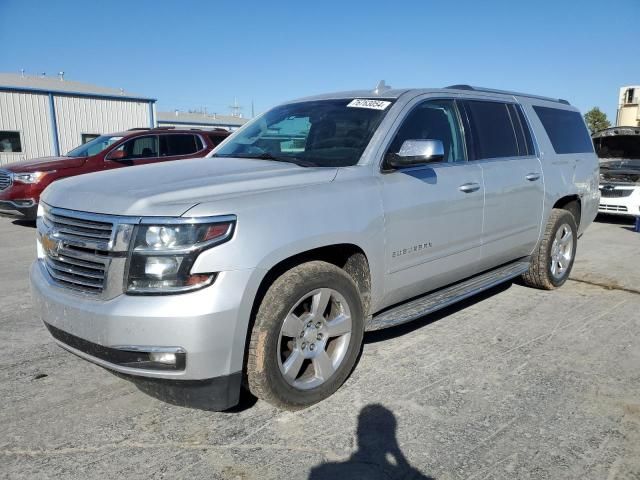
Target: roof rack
{"type": "Point", "coordinates": [505, 92]}
{"type": "Point", "coordinates": [138, 128]}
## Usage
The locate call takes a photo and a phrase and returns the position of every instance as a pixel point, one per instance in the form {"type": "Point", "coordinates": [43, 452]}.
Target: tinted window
{"type": "Point", "coordinates": [566, 130]}
{"type": "Point", "coordinates": [432, 120]}
{"type": "Point", "coordinates": [10, 142]}
{"type": "Point", "coordinates": [140, 147]}
{"type": "Point", "coordinates": [216, 138]}
{"type": "Point", "coordinates": [179, 144]}
{"type": "Point", "coordinates": [492, 130]}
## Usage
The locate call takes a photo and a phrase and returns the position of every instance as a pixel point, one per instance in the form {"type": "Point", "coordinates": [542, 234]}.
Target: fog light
{"type": "Point", "coordinates": [163, 357]}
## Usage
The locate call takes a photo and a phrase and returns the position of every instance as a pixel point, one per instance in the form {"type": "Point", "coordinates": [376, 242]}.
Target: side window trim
{"type": "Point", "coordinates": [528, 129]}
{"type": "Point", "coordinates": [517, 131]}
{"type": "Point", "coordinates": [405, 114]}
{"type": "Point", "coordinates": [472, 153]}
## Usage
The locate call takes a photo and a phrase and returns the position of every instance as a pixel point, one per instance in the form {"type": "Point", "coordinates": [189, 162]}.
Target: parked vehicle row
{"type": "Point", "coordinates": [264, 264]}
{"type": "Point", "coordinates": [21, 183]}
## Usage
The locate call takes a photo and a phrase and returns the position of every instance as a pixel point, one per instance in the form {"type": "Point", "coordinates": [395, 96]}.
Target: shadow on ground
{"type": "Point", "coordinates": [378, 455]}
{"type": "Point", "coordinates": [615, 219]}
{"type": "Point", "coordinates": [18, 219]}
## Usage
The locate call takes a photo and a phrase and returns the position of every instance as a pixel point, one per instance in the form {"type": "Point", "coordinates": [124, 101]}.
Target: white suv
{"type": "Point", "coordinates": [618, 149]}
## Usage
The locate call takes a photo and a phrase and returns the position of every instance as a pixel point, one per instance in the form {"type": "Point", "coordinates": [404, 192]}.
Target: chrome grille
{"type": "Point", "coordinates": [612, 208]}
{"type": "Point", "coordinates": [79, 229]}
{"type": "Point", "coordinates": [615, 192]}
{"type": "Point", "coordinates": [76, 249]}
{"type": "Point", "coordinates": [5, 179]}
{"type": "Point", "coordinates": [68, 269]}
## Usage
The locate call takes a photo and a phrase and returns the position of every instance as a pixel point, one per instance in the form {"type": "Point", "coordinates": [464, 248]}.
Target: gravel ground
{"type": "Point", "coordinates": [515, 383]}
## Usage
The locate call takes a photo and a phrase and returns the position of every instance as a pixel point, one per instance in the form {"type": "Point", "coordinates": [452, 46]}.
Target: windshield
{"type": "Point", "coordinates": [93, 147]}
{"type": "Point", "coordinates": [618, 146]}
{"type": "Point", "coordinates": [326, 133]}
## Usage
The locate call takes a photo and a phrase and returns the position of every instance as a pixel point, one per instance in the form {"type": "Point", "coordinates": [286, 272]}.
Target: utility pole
{"type": "Point", "coordinates": [235, 108]}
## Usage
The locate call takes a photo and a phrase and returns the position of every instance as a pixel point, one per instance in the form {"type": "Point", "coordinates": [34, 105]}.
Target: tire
{"type": "Point", "coordinates": [292, 338]}
{"type": "Point", "coordinates": [559, 241]}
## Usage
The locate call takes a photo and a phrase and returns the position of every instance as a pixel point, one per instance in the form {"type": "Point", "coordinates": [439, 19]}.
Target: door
{"type": "Point", "coordinates": [433, 213]}
{"type": "Point", "coordinates": [513, 181]}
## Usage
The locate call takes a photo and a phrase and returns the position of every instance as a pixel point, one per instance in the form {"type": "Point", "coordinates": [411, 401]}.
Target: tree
{"type": "Point", "coordinates": [596, 120]}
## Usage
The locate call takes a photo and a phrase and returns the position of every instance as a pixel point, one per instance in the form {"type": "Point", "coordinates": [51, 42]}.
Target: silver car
{"type": "Point", "coordinates": [264, 264]}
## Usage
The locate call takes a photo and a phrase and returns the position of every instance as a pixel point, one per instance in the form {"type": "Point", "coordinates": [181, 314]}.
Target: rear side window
{"type": "Point", "coordinates": [216, 139]}
{"type": "Point", "coordinates": [179, 144]}
{"type": "Point", "coordinates": [492, 130]}
{"type": "Point", "coordinates": [566, 130]}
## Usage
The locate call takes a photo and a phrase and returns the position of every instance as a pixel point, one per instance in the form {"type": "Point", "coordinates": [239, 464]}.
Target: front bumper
{"type": "Point", "coordinates": [208, 325]}
{"type": "Point", "coordinates": [27, 206]}
{"type": "Point", "coordinates": [627, 205]}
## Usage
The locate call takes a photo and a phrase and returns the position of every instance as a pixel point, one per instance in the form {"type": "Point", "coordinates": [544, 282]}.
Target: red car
{"type": "Point", "coordinates": [22, 182]}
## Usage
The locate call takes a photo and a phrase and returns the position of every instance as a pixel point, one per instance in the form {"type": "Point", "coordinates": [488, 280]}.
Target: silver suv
{"type": "Point", "coordinates": [319, 220]}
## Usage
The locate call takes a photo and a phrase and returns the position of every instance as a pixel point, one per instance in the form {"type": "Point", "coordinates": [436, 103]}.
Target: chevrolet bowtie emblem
{"type": "Point", "coordinates": [51, 246]}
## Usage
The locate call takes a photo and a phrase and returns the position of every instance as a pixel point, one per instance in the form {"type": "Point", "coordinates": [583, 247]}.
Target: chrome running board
{"type": "Point", "coordinates": [431, 302]}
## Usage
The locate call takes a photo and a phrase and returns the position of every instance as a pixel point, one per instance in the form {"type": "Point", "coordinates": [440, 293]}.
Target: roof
{"type": "Point", "coordinates": [159, 130]}
{"type": "Point", "coordinates": [39, 84]}
{"type": "Point", "coordinates": [392, 93]}
{"type": "Point", "coordinates": [199, 119]}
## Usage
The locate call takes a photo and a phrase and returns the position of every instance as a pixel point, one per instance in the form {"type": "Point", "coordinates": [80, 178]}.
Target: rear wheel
{"type": "Point", "coordinates": [306, 337]}
{"type": "Point", "coordinates": [552, 261]}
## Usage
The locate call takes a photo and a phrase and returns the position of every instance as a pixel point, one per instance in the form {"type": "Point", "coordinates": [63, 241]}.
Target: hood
{"type": "Point", "coordinates": [44, 164]}
{"type": "Point", "coordinates": [172, 188]}
{"type": "Point", "coordinates": [620, 170]}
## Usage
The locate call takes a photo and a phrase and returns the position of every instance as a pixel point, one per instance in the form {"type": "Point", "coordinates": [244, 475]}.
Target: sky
{"type": "Point", "coordinates": [192, 54]}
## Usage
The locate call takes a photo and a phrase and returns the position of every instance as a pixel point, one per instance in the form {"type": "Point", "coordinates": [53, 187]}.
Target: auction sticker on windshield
{"type": "Point", "coordinates": [367, 103]}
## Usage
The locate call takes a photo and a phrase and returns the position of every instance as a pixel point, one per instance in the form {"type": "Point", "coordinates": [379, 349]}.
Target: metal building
{"type": "Point", "coordinates": [628, 114]}
{"type": "Point", "coordinates": [202, 120]}
{"type": "Point", "coordinates": [43, 116]}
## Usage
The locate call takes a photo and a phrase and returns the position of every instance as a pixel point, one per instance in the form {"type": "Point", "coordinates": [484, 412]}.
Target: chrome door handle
{"type": "Point", "coordinates": [532, 177]}
{"type": "Point", "coordinates": [469, 187]}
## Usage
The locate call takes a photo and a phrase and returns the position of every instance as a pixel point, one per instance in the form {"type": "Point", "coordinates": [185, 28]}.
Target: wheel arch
{"type": "Point", "coordinates": [348, 256]}
{"type": "Point", "coordinates": [573, 204]}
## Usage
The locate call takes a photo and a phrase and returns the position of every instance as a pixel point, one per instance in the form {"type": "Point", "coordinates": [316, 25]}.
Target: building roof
{"type": "Point", "coordinates": [53, 84]}
{"type": "Point", "coordinates": [199, 119]}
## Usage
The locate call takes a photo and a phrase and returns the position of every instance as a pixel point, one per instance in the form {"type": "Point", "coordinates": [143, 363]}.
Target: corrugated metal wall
{"type": "Point", "coordinates": [27, 113]}
{"type": "Point", "coordinates": [76, 116]}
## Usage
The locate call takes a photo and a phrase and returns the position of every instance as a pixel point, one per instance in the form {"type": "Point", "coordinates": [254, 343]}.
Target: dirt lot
{"type": "Point", "coordinates": [516, 383]}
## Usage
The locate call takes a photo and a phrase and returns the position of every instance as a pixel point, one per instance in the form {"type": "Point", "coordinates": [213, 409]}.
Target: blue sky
{"type": "Point", "coordinates": [191, 54]}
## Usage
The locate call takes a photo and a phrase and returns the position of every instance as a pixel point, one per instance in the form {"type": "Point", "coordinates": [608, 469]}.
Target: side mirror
{"type": "Point", "coordinates": [117, 155]}
{"type": "Point", "coordinates": [416, 152]}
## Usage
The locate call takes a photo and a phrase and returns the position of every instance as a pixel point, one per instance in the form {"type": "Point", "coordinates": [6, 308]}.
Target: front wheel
{"type": "Point", "coordinates": [552, 261]}
{"type": "Point", "coordinates": [306, 337]}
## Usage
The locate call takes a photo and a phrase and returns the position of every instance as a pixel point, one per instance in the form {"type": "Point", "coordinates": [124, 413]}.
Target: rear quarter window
{"type": "Point", "coordinates": [565, 129]}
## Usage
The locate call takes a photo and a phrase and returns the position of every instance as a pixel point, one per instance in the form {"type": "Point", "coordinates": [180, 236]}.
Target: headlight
{"type": "Point", "coordinates": [33, 177]}
{"type": "Point", "coordinates": [161, 256]}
